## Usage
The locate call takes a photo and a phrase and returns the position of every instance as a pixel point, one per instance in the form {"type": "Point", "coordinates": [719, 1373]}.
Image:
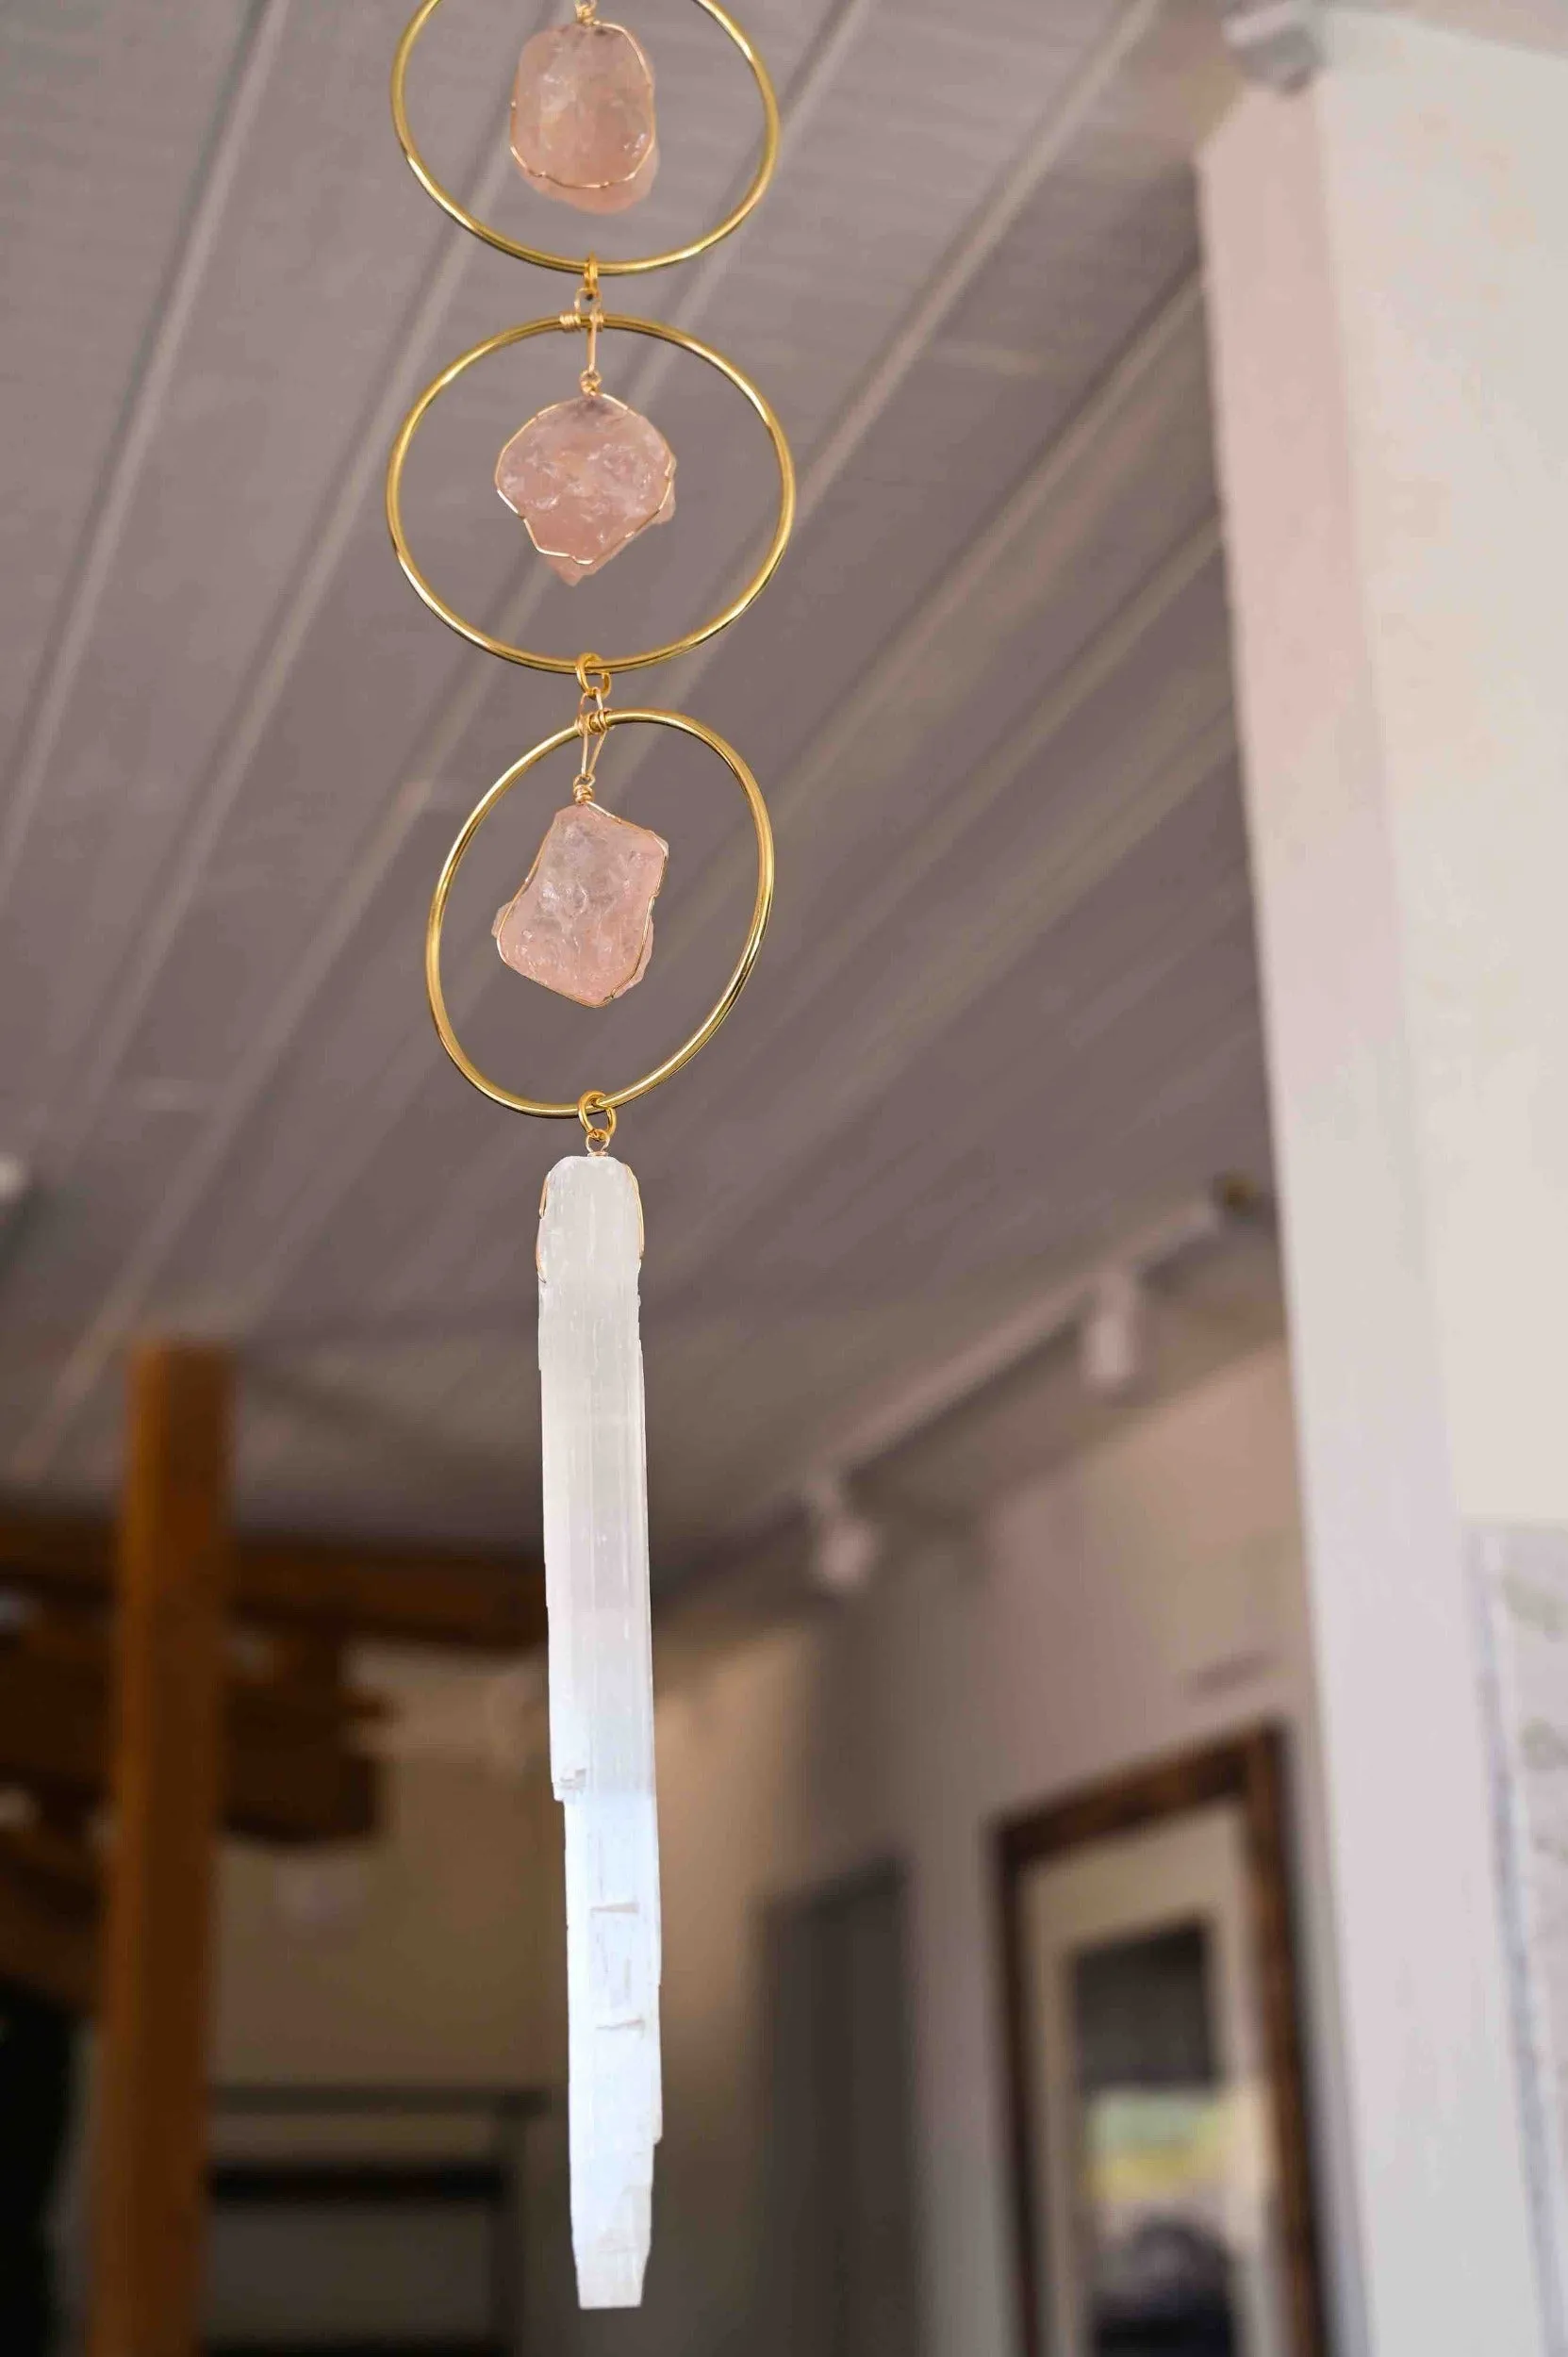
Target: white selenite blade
{"type": "Point", "coordinates": [602, 1709]}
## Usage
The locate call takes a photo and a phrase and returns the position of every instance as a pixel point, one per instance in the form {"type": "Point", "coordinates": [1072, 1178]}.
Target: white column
{"type": "Point", "coordinates": [1388, 273]}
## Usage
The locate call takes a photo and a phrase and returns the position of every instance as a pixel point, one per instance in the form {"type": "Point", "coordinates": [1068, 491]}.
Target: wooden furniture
{"type": "Point", "coordinates": [483, 1603]}
{"type": "Point", "coordinates": [291, 1771]}
{"type": "Point", "coordinates": [50, 1906]}
{"type": "Point", "coordinates": [294, 1771]}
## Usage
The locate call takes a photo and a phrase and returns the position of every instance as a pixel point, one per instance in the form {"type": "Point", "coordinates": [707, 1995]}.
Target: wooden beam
{"type": "Point", "coordinates": [397, 1595]}
{"type": "Point", "coordinates": [291, 1771]}
{"type": "Point", "coordinates": [168, 1759]}
{"type": "Point", "coordinates": [456, 1596]}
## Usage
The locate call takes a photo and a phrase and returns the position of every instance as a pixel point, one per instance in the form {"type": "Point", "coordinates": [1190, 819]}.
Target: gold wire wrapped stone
{"type": "Point", "coordinates": [586, 475]}
{"type": "Point", "coordinates": [582, 123]}
{"type": "Point", "coordinates": [582, 923]}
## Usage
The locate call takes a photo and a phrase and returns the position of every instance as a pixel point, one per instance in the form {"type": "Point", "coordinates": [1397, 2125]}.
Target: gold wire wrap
{"type": "Point", "coordinates": [477, 228]}
{"type": "Point", "coordinates": [599, 1101]}
{"type": "Point", "coordinates": [568, 323]}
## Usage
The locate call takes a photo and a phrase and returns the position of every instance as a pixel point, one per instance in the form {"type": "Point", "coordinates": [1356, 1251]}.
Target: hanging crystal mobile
{"type": "Point", "coordinates": [587, 476]}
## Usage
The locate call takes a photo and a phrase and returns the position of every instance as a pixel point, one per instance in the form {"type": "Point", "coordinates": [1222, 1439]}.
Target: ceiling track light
{"type": "Point", "coordinates": [846, 1545]}
{"type": "Point", "coordinates": [1104, 1308]}
{"type": "Point", "coordinates": [1111, 1335]}
{"type": "Point", "coordinates": [16, 1191]}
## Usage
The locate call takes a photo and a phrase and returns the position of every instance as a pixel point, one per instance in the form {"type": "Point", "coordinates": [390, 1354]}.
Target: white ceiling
{"type": "Point", "coordinates": [1008, 1003]}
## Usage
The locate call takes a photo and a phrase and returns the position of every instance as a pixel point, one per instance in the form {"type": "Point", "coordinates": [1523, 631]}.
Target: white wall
{"type": "Point", "coordinates": [1143, 1599]}
{"type": "Point", "coordinates": [433, 1962]}
{"type": "Point", "coordinates": [425, 1956]}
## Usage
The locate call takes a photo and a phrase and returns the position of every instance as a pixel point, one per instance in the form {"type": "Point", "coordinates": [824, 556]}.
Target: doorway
{"type": "Point", "coordinates": [839, 2278]}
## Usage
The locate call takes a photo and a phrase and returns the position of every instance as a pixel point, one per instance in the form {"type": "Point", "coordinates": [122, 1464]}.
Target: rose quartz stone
{"type": "Point", "coordinates": [587, 476]}
{"type": "Point", "coordinates": [582, 126]}
{"type": "Point", "coordinates": [582, 923]}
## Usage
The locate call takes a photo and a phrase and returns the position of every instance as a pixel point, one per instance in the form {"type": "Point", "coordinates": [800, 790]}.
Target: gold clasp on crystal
{"type": "Point", "coordinates": [597, 1115]}
{"type": "Point", "coordinates": [593, 721]}
{"type": "Point", "coordinates": [588, 312]}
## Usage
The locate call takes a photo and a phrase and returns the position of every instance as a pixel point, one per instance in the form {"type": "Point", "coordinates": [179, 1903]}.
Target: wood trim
{"type": "Point", "coordinates": [1251, 1770]}
{"type": "Point", "coordinates": [461, 1597]}
{"type": "Point", "coordinates": [167, 1796]}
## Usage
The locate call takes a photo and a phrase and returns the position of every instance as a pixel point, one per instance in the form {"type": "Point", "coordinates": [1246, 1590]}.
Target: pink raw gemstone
{"type": "Point", "coordinates": [582, 127]}
{"type": "Point", "coordinates": [587, 476]}
{"type": "Point", "coordinates": [582, 923]}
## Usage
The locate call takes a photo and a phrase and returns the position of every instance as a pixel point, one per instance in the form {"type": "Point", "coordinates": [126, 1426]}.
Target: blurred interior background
{"type": "Point", "coordinates": [972, 1422]}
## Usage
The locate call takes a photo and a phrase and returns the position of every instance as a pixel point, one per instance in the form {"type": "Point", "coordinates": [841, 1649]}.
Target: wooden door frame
{"type": "Point", "coordinates": [1250, 1769]}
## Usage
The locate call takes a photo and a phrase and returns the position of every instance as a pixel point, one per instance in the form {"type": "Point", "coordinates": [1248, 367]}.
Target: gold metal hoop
{"type": "Point", "coordinates": [566, 324]}
{"type": "Point", "coordinates": [599, 1101]}
{"type": "Point", "coordinates": [576, 263]}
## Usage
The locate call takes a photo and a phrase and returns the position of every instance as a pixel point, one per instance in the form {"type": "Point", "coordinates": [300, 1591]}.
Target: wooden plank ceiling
{"type": "Point", "coordinates": [1010, 1000]}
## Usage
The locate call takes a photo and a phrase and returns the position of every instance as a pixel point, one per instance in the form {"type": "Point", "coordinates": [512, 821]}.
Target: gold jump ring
{"type": "Point", "coordinates": [598, 1118]}
{"type": "Point", "coordinates": [569, 664]}
{"type": "Point", "coordinates": [577, 263]}
{"type": "Point", "coordinates": [604, 1100]}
